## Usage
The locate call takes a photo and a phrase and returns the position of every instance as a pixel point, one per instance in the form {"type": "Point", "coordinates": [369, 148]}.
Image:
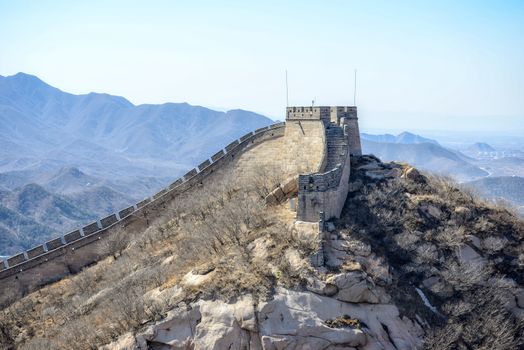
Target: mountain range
{"type": "Point", "coordinates": [67, 159]}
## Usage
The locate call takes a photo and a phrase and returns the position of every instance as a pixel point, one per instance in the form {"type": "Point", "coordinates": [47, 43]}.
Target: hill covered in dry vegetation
{"type": "Point", "coordinates": [414, 262]}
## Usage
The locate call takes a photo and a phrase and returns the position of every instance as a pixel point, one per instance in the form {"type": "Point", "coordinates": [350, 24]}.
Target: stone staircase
{"type": "Point", "coordinates": [336, 145]}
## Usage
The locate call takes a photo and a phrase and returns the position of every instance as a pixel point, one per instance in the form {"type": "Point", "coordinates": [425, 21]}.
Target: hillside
{"type": "Point", "coordinates": [30, 215]}
{"type": "Point", "coordinates": [505, 188]}
{"type": "Point", "coordinates": [412, 263]}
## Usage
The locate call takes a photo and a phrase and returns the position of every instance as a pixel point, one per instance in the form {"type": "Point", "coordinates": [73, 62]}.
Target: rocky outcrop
{"type": "Point", "coordinates": [291, 320]}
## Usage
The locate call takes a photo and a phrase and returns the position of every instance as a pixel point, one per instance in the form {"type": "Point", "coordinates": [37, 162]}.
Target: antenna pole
{"type": "Point", "coordinates": [355, 90]}
{"type": "Point", "coordinates": [287, 92]}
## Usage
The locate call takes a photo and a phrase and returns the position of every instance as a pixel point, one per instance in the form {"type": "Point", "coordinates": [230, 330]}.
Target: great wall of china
{"type": "Point", "coordinates": [314, 143]}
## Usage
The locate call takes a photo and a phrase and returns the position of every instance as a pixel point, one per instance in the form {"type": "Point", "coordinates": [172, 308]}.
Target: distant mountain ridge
{"type": "Point", "coordinates": [422, 152]}
{"type": "Point", "coordinates": [67, 159]}
{"type": "Point", "coordinates": [481, 147]}
{"type": "Point", "coordinates": [402, 138]}
{"type": "Point", "coordinates": [40, 117]}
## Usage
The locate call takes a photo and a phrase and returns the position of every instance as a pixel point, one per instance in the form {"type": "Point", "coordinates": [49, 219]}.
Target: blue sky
{"type": "Point", "coordinates": [421, 64]}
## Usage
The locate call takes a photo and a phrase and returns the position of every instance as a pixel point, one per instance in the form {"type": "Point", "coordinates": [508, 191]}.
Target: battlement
{"type": "Point", "coordinates": [308, 113]}
{"type": "Point", "coordinates": [332, 114]}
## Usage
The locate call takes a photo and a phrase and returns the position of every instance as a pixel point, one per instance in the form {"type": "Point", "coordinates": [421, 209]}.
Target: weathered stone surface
{"type": "Point", "coordinates": [354, 287]}
{"type": "Point", "coordinates": [430, 282]}
{"type": "Point", "coordinates": [431, 211]}
{"type": "Point", "coordinates": [468, 255]}
{"type": "Point", "coordinates": [279, 194]}
{"type": "Point", "coordinates": [475, 241]}
{"type": "Point", "coordinates": [290, 320]}
{"type": "Point", "coordinates": [290, 186]}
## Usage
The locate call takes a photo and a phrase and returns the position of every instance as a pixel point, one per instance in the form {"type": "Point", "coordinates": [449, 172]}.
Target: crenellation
{"type": "Point", "coordinates": [31, 253]}
{"type": "Point", "coordinates": [91, 228]}
{"type": "Point", "coordinates": [16, 259]}
{"type": "Point", "coordinates": [143, 202]}
{"type": "Point", "coordinates": [125, 212]}
{"type": "Point", "coordinates": [246, 136]}
{"type": "Point", "coordinates": [204, 165]}
{"type": "Point", "coordinates": [72, 236]}
{"type": "Point", "coordinates": [54, 243]}
{"type": "Point", "coordinates": [231, 146]}
{"type": "Point", "coordinates": [159, 194]}
{"type": "Point", "coordinates": [217, 155]}
{"type": "Point", "coordinates": [108, 220]}
{"type": "Point", "coordinates": [190, 174]}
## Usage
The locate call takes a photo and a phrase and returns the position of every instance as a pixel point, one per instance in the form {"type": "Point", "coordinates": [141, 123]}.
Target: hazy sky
{"type": "Point", "coordinates": [421, 64]}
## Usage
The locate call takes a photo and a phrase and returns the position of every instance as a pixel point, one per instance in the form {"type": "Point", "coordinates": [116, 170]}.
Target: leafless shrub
{"type": "Point", "coordinates": [115, 242]}
{"type": "Point", "coordinates": [426, 253]}
{"type": "Point", "coordinates": [264, 179]}
{"type": "Point", "coordinates": [458, 308]}
{"type": "Point", "coordinates": [465, 276]}
{"type": "Point", "coordinates": [494, 244]}
{"type": "Point", "coordinates": [406, 240]}
{"type": "Point", "coordinates": [450, 237]}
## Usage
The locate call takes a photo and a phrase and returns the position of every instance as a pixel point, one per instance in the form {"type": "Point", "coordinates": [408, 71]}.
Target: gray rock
{"type": "Point", "coordinates": [354, 287]}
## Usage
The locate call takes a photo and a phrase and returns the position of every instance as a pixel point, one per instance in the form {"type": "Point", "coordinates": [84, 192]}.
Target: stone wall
{"type": "Point", "coordinates": [299, 146]}
{"type": "Point", "coordinates": [68, 254]}
{"type": "Point", "coordinates": [324, 192]}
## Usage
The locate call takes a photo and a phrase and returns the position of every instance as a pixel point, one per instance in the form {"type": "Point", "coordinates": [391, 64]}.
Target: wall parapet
{"type": "Point", "coordinates": [325, 192]}
{"type": "Point", "coordinates": [94, 231]}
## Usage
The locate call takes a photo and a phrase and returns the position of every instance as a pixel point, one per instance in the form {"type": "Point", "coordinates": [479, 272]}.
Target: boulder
{"type": "Point", "coordinates": [290, 320]}
{"type": "Point", "coordinates": [430, 211]}
{"type": "Point", "coordinates": [413, 175]}
{"type": "Point", "coordinates": [468, 255]}
{"type": "Point", "coordinates": [354, 287]}
{"type": "Point", "coordinates": [430, 282]}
